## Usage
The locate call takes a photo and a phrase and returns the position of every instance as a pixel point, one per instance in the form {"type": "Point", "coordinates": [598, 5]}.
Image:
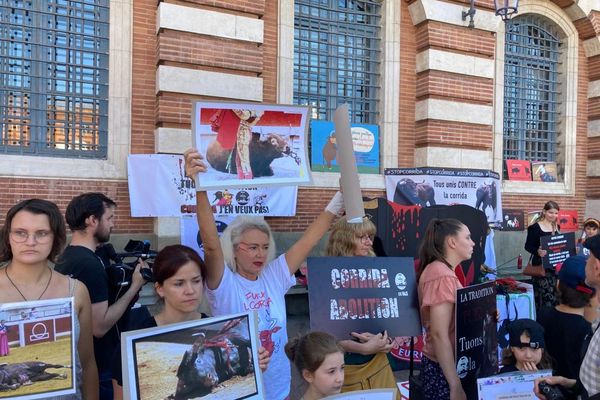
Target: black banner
{"type": "Point", "coordinates": [363, 294]}
{"type": "Point", "coordinates": [476, 342]}
{"type": "Point", "coordinates": [558, 247]}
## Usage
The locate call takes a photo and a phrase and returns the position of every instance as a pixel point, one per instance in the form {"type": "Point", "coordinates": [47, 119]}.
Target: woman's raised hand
{"type": "Point", "coordinates": [194, 163]}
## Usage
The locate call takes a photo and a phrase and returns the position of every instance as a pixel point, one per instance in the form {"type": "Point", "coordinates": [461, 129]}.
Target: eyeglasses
{"type": "Point", "coordinates": [366, 238]}
{"type": "Point", "coordinates": [41, 237]}
{"type": "Point", "coordinates": [252, 248]}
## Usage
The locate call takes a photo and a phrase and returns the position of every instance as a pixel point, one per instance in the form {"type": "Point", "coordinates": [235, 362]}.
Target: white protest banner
{"type": "Point", "coordinates": [158, 187]}
{"type": "Point", "coordinates": [190, 233]}
{"type": "Point", "coordinates": [428, 186]}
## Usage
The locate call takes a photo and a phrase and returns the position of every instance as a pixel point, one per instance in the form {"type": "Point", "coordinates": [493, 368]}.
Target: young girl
{"type": "Point", "coordinates": [179, 278]}
{"type": "Point", "coordinates": [367, 366]}
{"type": "Point", "coordinates": [446, 244]}
{"type": "Point", "coordinates": [320, 361]}
{"type": "Point", "coordinates": [544, 287]}
{"type": "Point", "coordinates": [526, 351]}
{"type": "Point", "coordinates": [32, 237]}
{"type": "Point", "coordinates": [242, 273]}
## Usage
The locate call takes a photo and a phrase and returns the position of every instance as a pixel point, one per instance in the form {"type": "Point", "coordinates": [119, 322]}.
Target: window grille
{"type": "Point", "coordinates": [531, 89]}
{"type": "Point", "coordinates": [54, 77]}
{"type": "Point", "coordinates": [337, 53]}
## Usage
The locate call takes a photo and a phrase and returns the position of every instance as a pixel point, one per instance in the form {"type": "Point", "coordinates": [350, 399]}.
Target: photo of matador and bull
{"type": "Point", "coordinates": [203, 361]}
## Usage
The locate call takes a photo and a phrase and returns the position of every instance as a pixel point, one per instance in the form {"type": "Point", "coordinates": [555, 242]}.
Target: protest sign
{"type": "Point", "coordinates": [518, 170]}
{"type": "Point", "coordinates": [190, 233]}
{"type": "Point", "coordinates": [158, 187]}
{"type": "Point", "coordinates": [509, 386]}
{"type": "Point", "coordinates": [41, 359]}
{"type": "Point", "coordinates": [324, 149]}
{"type": "Point", "coordinates": [429, 186]}
{"type": "Point", "coordinates": [476, 341]}
{"type": "Point", "coordinates": [567, 220]}
{"type": "Point", "coordinates": [513, 220]}
{"type": "Point", "coordinates": [558, 247]}
{"type": "Point", "coordinates": [250, 144]}
{"type": "Point", "coordinates": [363, 294]}
{"type": "Point", "coordinates": [209, 356]}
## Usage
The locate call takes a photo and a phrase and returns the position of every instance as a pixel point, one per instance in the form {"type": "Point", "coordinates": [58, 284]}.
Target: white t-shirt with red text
{"type": "Point", "coordinates": [236, 294]}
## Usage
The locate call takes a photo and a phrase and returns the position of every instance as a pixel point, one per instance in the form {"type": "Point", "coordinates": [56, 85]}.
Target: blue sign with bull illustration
{"type": "Point", "coordinates": [429, 186]}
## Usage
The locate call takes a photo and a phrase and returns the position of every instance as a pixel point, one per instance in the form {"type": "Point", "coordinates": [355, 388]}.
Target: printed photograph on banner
{"type": "Point", "coordinates": [428, 186]}
{"type": "Point", "coordinates": [209, 358]}
{"type": "Point", "coordinates": [324, 152]}
{"type": "Point", "coordinates": [172, 194]}
{"type": "Point", "coordinates": [518, 170]}
{"type": "Point", "coordinates": [544, 171]}
{"type": "Point", "coordinates": [37, 349]}
{"type": "Point", "coordinates": [190, 232]}
{"type": "Point", "coordinates": [533, 216]}
{"type": "Point", "coordinates": [249, 144]}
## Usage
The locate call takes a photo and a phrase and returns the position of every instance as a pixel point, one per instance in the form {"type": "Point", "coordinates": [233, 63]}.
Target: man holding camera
{"type": "Point", "coordinates": [588, 384]}
{"type": "Point", "coordinates": [90, 217]}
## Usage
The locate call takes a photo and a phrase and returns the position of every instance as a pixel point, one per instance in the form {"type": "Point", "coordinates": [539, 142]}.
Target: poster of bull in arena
{"type": "Point", "coordinates": [251, 144]}
{"type": "Point", "coordinates": [428, 187]}
{"type": "Point", "coordinates": [38, 349]}
{"type": "Point", "coordinates": [209, 358]}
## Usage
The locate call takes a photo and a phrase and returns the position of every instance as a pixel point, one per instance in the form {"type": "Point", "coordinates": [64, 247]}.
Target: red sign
{"type": "Point", "coordinates": [38, 331]}
{"type": "Point", "coordinates": [567, 219]}
{"type": "Point", "coordinates": [401, 348]}
{"type": "Point", "coordinates": [518, 170]}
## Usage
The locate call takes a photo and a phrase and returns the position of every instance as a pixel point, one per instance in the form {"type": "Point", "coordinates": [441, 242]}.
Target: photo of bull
{"type": "Point", "coordinates": [15, 375]}
{"type": "Point", "coordinates": [409, 192]}
{"type": "Point", "coordinates": [211, 361]}
{"type": "Point", "coordinates": [262, 154]}
{"type": "Point", "coordinates": [487, 197]}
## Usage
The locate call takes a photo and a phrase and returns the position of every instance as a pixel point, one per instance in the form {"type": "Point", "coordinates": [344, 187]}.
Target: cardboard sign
{"type": "Point", "coordinates": [558, 247]}
{"type": "Point", "coordinates": [41, 359]}
{"type": "Point", "coordinates": [476, 341]}
{"type": "Point", "coordinates": [513, 220]}
{"type": "Point", "coordinates": [363, 294]}
{"type": "Point", "coordinates": [205, 357]}
{"type": "Point", "coordinates": [518, 170]}
{"type": "Point", "coordinates": [430, 186]}
{"type": "Point", "coordinates": [544, 171]}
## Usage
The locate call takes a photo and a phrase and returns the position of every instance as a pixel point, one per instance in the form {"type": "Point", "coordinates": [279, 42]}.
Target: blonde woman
{"type": "Point", "coordinates": [366, 363]}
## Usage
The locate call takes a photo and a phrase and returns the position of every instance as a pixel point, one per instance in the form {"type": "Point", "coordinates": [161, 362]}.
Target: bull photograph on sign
{"type": "Point", "coordinates": [210, 358]}
{"type": "Point", "coordinates": [248, 144]}
{"type": "Point", "coordinates": [41, 358]}
{"type": "Point", "coordinates": [431, 187]}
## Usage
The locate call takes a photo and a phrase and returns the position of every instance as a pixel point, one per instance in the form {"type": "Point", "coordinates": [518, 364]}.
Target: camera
{"type": "Point", "coordinates": [551, 392]}
{"type": "Point", "coordinates": [120, 272]}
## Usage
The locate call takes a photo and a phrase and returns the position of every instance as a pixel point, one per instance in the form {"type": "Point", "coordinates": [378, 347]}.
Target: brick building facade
{"type": "Point", "coordinates": [440, 98]}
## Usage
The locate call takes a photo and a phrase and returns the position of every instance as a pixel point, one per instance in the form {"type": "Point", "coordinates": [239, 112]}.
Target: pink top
{"type": "Point", "coordinates": [437, 285]}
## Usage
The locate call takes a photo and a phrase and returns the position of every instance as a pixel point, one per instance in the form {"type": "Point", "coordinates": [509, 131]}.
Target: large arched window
{"type": "Point", "coordinates": [337, 57]}
{"type": "Point", "coordinates": [532, 90]}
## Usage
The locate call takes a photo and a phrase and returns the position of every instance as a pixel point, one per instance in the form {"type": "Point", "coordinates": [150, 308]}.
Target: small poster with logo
{"type": "Point", "coordinates": [363, 294]}
{"type": "Point", "coordinates": [567, 220]}
{"type": "Point", "coordinates": [476, 342]}
{"type": "Point", "coordinates": [513, 220]}
{"type": "Point", "coordinates": [518, 170]}
{"type": "Point", "coordinates": [38, 349]}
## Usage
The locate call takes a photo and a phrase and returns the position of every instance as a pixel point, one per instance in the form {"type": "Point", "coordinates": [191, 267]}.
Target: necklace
{"type": "Point", "coordinates": [17, 289]}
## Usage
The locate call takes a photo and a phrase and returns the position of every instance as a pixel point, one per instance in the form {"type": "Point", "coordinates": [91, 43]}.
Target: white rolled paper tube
{"type": "Point", "coordinates": [355, 209]}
